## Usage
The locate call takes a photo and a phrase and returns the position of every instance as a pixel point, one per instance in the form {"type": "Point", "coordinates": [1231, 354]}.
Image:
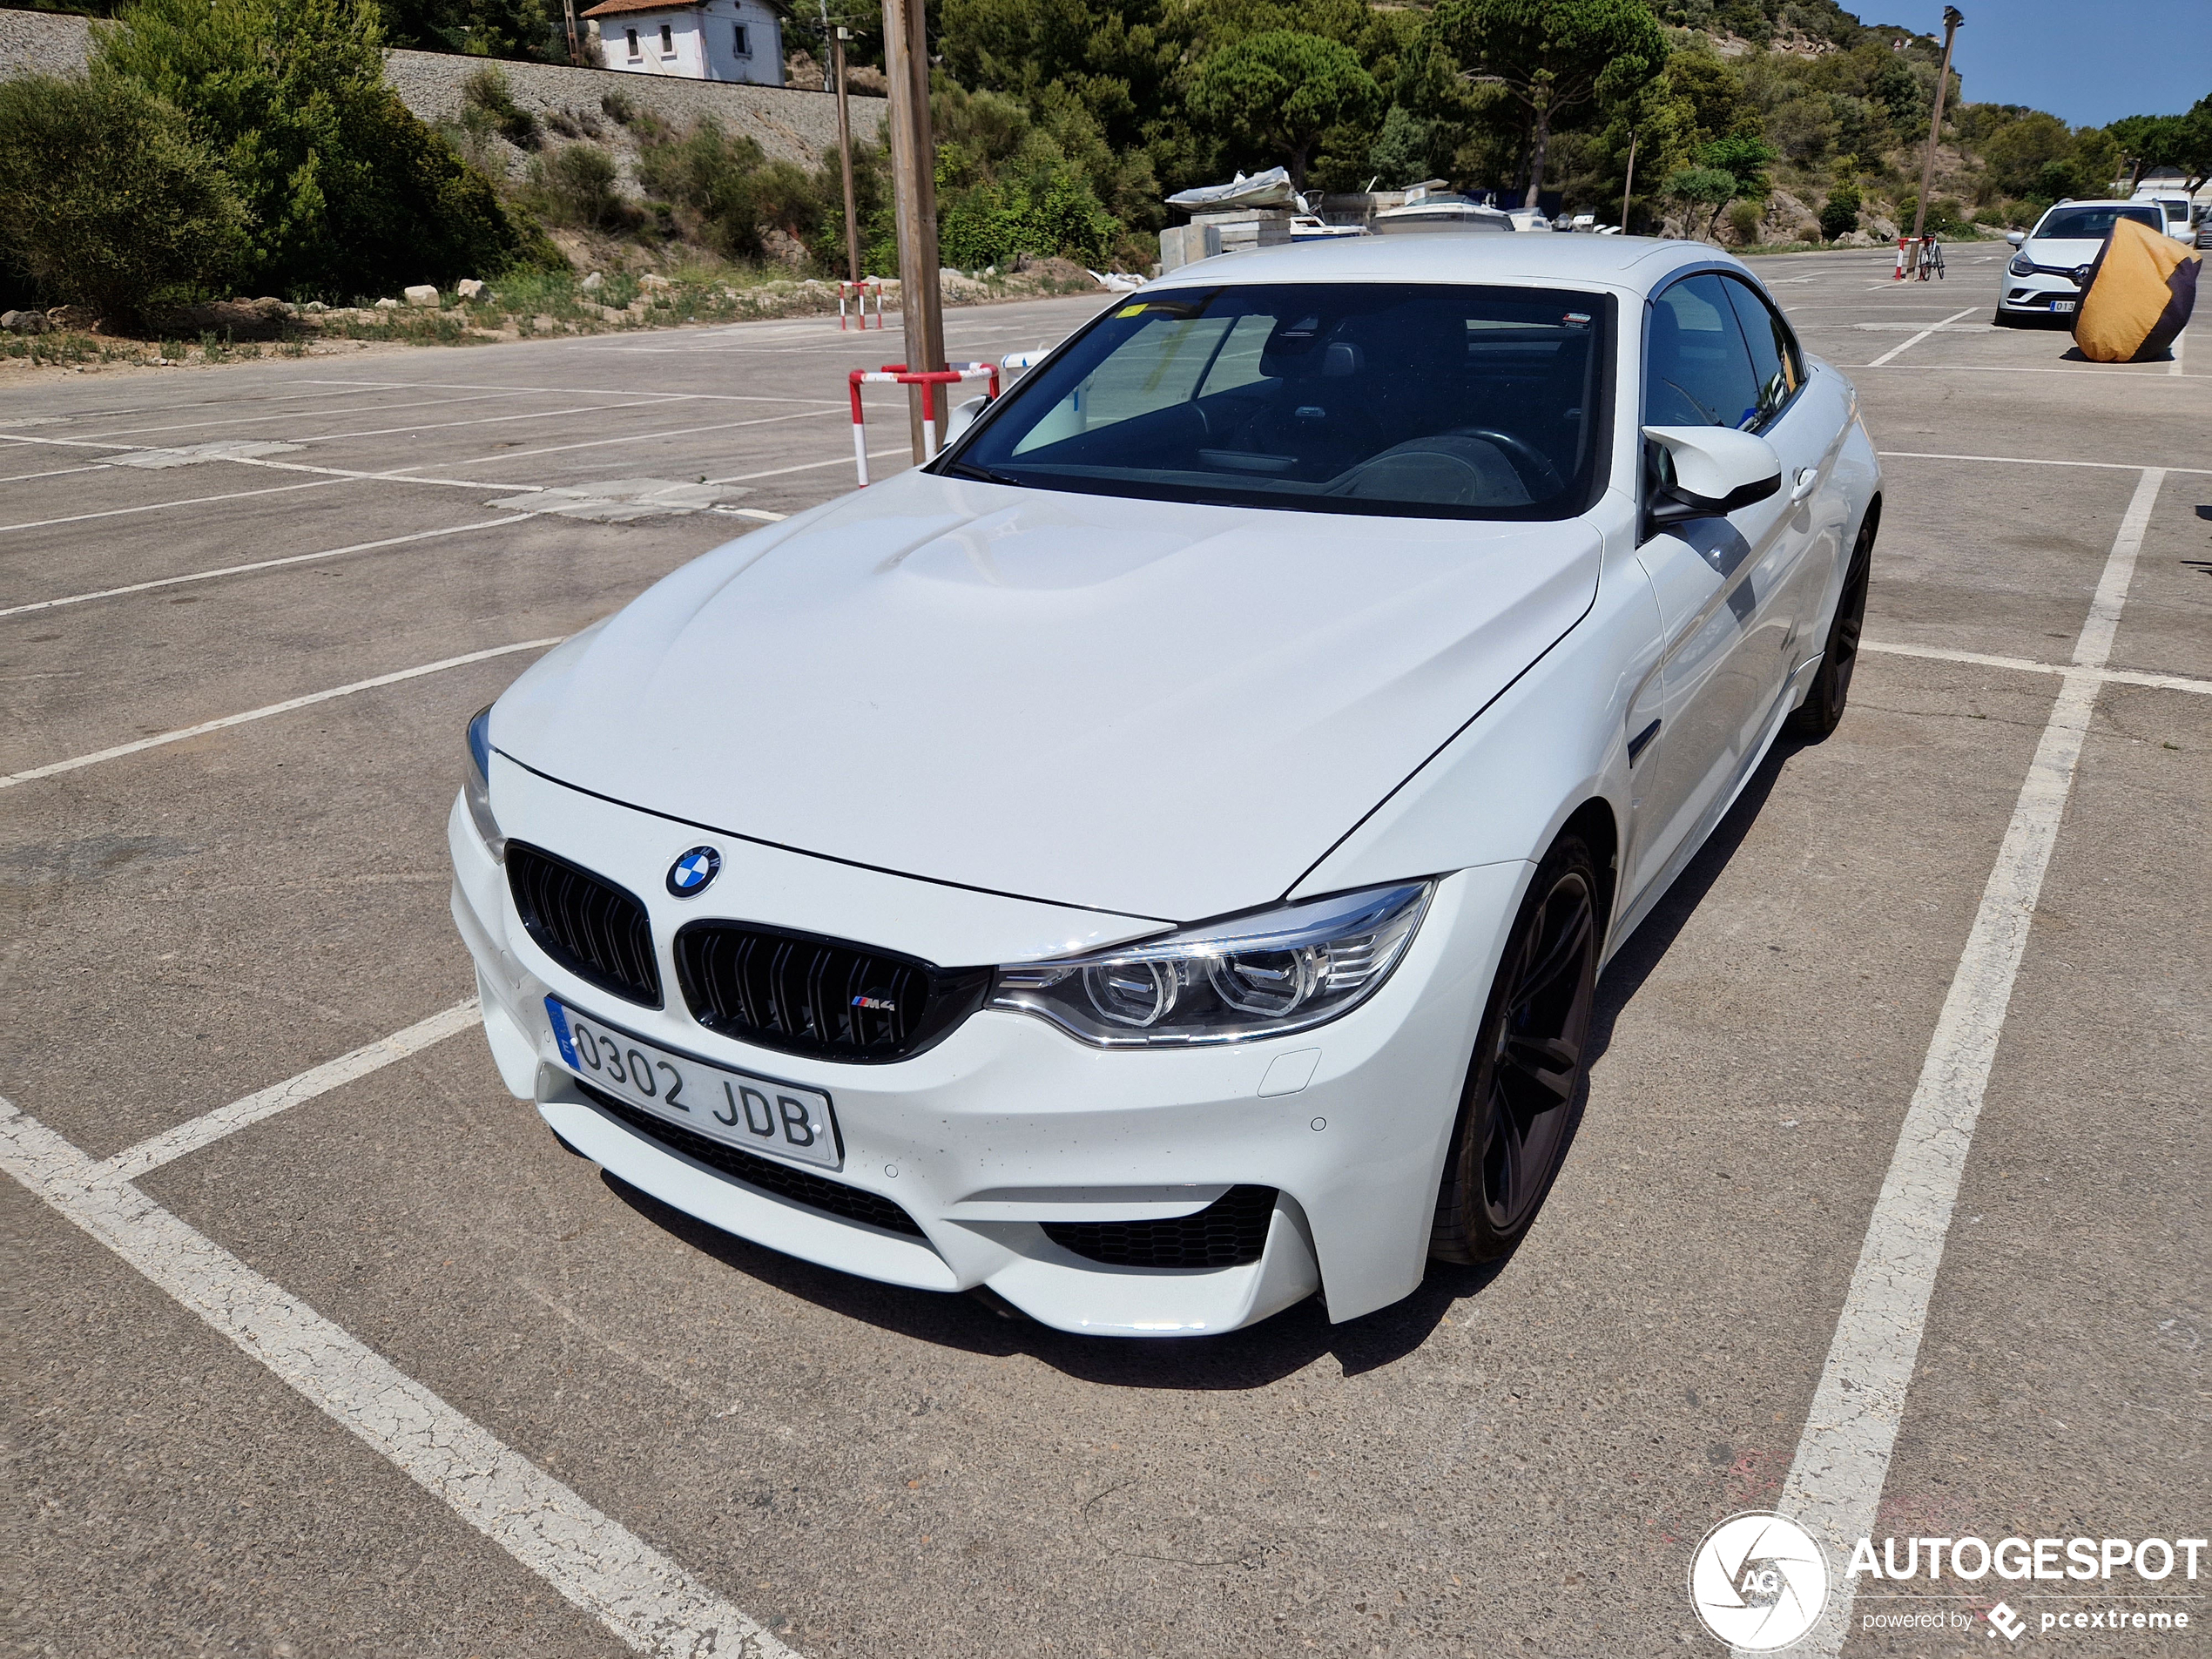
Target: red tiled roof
{"type": "Point", "coordinates": [612, 8]}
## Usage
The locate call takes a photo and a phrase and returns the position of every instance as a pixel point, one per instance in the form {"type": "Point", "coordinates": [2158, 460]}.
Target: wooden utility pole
{"type": "Point", "coordinates": [568, 13]}
{"type": "Point", "coordinates": [913, 184]}
{"type": "Point", "coordinates": [1628, 189]}
{"type": "Point", "coordinates": [1951, 18]}
{"type": "Point", "coordinates": [838, 38]}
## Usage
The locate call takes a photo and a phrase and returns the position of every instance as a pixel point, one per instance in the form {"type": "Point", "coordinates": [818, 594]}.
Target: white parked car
{"type": "Point", "coordinates": [1154, 863]}
{"type": "Point", "coordinates": [2050, 266]}
{"type": "Point", "coordinates": [2175, 209]}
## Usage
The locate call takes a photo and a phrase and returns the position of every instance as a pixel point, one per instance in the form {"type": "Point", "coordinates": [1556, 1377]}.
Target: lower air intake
{"type": "Point", "coordinates": [767, 1175]}
{"type": "Point", "coordinates": [1232, 1231]}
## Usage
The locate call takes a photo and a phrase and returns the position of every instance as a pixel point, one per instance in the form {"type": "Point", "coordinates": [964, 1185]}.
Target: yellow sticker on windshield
{"type": "Point", "coordinates": [1131, 311]}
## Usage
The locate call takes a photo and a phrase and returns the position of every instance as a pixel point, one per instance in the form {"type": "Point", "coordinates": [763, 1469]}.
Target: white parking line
{"type": "Point", "coordinates": [210, 1127]}
{"type": "Point", "coordinates": [2028, 665]}
{"type": "Point", "coordinates": [2033, 461]}
{"type": "Point", "coordinates": [582, 391]}
{"type": "Point", "coordinates": [1896, 350]}
{"type": "Point", "coordinates": [811, 465]}
{"type": "Point", "coordinates": [286, 415]}
{"type": "Point", "coordinates": [157, 506]}
{"type": "Point", "coordinates": [285, 707]}
{"type": "Point", "coordinates": [480, 420]}
{"type": "Point", "coordinates": [596, 1564]}
{"type": "Point", "coordinates": [1842, 1459]}
{"type": "Point", "coordinates": [262, 564]}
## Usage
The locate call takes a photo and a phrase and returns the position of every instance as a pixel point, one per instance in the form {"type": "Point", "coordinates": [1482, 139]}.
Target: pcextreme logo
{"type": "Point", "coordinates": [1758, 1582]}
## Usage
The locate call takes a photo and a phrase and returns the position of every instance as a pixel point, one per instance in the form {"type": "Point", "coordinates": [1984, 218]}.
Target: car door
{"type": "Point", "coordinates": [1727, 602]}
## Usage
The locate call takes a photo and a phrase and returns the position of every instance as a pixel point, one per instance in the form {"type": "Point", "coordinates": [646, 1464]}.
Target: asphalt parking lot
{"type": "Point", "coordinates": [353, 1358]}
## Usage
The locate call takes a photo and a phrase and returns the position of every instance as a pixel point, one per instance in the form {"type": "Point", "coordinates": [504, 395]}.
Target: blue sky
{"type": "Point", "coordinates": [2087, 61]}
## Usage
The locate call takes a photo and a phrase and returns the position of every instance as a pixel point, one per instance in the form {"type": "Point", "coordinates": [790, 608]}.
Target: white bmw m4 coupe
{"type": "Point", "coordinates": [1154, 863]}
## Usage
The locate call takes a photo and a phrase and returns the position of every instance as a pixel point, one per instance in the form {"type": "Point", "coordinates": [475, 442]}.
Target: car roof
{"type": "Point", "coordinates": [2102, 201]}
{"type": "Point", "coordinates": [1638, 264]}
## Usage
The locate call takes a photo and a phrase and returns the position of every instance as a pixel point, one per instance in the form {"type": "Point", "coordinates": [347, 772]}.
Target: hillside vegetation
{"type": "Point", "coordinates": [219, 147]}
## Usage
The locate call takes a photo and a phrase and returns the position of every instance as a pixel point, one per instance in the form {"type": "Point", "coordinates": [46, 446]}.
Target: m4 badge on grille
{"type": "Point", "coordinates": [883, 1002]}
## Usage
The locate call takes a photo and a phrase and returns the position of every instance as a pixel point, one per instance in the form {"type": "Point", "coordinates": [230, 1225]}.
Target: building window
{"type": "Point", "coordinates": [667, 41]}
{"type": "Point", "coordinates": [739, 43]}
{"type": "Point", "coordinates": [634, 53]}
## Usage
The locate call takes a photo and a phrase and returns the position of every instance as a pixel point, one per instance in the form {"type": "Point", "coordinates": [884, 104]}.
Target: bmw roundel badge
{"type": "Point", "coordinates": [692, 875]}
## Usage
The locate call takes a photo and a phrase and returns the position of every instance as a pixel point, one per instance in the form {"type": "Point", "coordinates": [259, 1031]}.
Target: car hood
{"type": "Point", "coordinates": [2064, 254]}
{"type": "Point", "coordinates": [1151, 708]}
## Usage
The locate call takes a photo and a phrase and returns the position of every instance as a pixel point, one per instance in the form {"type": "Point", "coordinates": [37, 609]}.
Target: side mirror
{"type": "Point", "coordinates": [963, 416]}
{"type": "Point", "coordinates": [2016, 236]}
{"type": "Point", "coordinates": [1707, 472]}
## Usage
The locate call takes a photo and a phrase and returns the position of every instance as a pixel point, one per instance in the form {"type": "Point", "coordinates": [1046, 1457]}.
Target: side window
{"type": "Point", "coordinates": [1697, 370]}
{"type": "Point", "coordinates": [1775, 363]}
{"type": "Point", "coordinates": [739, 43]}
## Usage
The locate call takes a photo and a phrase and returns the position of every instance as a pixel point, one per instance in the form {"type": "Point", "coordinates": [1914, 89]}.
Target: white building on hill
{"type": "Point", "coordinates": [699, 40]}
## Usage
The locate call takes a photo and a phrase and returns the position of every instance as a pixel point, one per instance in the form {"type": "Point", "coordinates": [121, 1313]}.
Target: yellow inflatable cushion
{"type": "Point", "coordinates": [2142, 290]}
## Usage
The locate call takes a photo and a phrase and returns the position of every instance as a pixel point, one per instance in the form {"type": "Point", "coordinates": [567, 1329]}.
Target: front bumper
{"type": "Point", "coordinates": [2033, 295]}
{"type": "Point", "coordinates": [1008, 1123]}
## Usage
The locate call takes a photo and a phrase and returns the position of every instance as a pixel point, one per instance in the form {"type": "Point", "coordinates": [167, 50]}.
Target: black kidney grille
{"type": "Point", "coordinates": [590, 926]}
{"type": "Point", "coordinates": [1232, 1231]}
{"type": "Point", "coordinates": [819, 996]}
{"type": "Point", "coordinates": [784, 1180]}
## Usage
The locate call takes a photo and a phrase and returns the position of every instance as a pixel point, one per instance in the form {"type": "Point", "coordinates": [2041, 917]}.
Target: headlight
{"type": "Point", "coordinates": [2021, 266]}
{"type": "Point", "coordinates": [1263, 976]}
{"type": "Point", "coordinates": [477, 787]}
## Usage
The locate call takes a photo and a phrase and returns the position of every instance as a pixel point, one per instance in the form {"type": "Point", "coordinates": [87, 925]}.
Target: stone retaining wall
{"type": "Point", "coordinates": [787, 122]}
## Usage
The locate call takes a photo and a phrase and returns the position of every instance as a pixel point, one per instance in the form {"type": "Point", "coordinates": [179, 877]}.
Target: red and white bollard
{"type": "Point", "coordinates": [1901, 242]}
{"type": "Point", "coordinates": [898, 374]}
{"type": "Point", "coordinates": [858, 293]}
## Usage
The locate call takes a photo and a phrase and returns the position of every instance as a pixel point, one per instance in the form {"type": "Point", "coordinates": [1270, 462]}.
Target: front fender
{"type": "Point", "coordinates": [1551, 743]}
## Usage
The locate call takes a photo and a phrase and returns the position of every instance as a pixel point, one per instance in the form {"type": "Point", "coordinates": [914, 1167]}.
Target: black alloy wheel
{"type": "Point", "coordinates": [1524, 1086]}
{"type": "Point", "coordinates": [1823, 708]}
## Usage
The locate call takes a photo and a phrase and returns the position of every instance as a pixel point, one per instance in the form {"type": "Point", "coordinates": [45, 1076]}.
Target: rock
{"type": "Point", "coordinates": [1854, 239]}
{"type": "Point", "coordinates": [315, 307]}
{"type": "Point", "coordinates": [388, 305]}
{"type": "Point", "coordinates": [1882, 230]}
{"type": "Point", "coordinates": [593, 283]}
{"type": "Point", "coordinates": [24, 323]}
{"type": "Point", "coordinates": [468, 287]}
{"type": "Point", "coordinates": [653, 281]}
{"type": "Point", "coordinates": [423, 293]}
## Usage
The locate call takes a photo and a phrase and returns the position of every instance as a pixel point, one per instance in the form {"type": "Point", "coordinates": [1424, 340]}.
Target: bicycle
{"type": "Point", "coordinates": [1931, 258]}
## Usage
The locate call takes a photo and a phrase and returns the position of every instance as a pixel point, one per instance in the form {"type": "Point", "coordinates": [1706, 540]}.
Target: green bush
{"type": "Point", "coordinates": [106, 199]}
{"type": "Point", "coordinates": [732, 192]}
{"type": "Point", "coordinates": [575, 186]}
{"type": "Point", "coordinates": [1743, 220]}
{"type": "Point", "coordinates": [1839, 214]}
{"type": "Point", "coordinates": [487, 91]}
{"type": "Point", "coordinates": [346, 191]}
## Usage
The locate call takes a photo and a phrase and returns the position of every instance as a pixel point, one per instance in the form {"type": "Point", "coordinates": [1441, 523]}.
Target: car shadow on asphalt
{"type": "Point", "coordinates": [1261, 1355]}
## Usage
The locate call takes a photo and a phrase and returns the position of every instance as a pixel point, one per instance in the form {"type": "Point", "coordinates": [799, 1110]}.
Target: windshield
{"type": "Point", "coordinates": [1410, 398]}
{"type": "Point", "coordinates": [2091, 224]}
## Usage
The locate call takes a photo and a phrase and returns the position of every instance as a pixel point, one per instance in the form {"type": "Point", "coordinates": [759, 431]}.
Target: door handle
{"type": "Point", "coordinates": [1808, 481]}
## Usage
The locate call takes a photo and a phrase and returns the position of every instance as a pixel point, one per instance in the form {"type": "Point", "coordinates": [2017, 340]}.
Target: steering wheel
{"type": "Point", "coordinates": [1526, 458]}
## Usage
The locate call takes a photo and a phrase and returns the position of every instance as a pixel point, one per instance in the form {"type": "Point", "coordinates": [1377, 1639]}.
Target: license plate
{"type": "Point", "coordinates": [758, 1114]}
{"type": "Point", "coordinates": [2063, 305]}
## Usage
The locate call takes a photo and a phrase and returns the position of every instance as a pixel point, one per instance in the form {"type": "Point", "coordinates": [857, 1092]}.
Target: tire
{"type": "Point", "coordinates": [1818, 716]}
{"type": "Point", "coordinates": [1525, 1084]}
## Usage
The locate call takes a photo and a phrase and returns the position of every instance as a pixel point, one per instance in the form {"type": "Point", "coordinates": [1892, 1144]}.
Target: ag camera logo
{"type": "Point", "coordinates": [1758, 1582]}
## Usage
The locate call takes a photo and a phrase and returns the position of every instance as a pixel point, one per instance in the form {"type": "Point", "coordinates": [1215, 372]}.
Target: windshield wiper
{"type": "Point", "coordinates": [969, 469]}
